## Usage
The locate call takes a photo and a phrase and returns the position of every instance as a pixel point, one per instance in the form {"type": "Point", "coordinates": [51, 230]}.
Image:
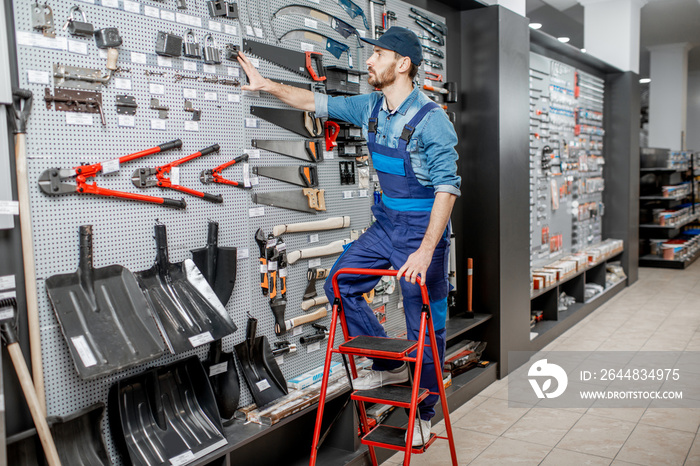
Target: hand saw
{"type": "Point", "coordinates": [297, 62]}
{"type": "Point", "coordinates": [307, 150]}
{"type": "Point", "coordinates": [333, 46]}
{"type": "Point", "coordinates": [300, 175]}
{"type": "Point", "coordinates": [303, 123]}
{"type": "Point", "coordinates": [307, 200]}
{"type": "Point", "coordinates": [343, 28]}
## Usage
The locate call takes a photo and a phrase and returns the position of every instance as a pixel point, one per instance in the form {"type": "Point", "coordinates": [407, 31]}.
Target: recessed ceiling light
{"type": "Point", "coordinates": [535, 25]}
{"type": "Point", "coordinates": [644, 81]}
{"type": "Point", "coordinates": [563, 39]}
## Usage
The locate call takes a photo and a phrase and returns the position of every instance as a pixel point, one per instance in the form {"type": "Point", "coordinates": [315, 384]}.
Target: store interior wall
{"type": "Point", "coordinates": [692, 140]}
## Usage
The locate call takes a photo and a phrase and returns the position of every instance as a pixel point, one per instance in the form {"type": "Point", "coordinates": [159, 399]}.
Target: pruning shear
{"type": "Point", "coordinates": [214, 175]}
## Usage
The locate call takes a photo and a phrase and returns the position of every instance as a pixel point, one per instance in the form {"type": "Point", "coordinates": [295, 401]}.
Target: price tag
{"type": "Point", "coordinates": [310, 23]}
{"type": "Point", "coordinates": [313, 238]}
{"type": "Point", "coordinates": [175, 175]}
{"type": "Point", "coordinates": [257, 212]}
{"type": "Point", "coordinates": [7, 282]}
{"type": "Point", "coordinates": [353, 78]}
{"type": "Point", "coordinates": [88, 1]}
{"type": "Point", "coordinates": [253, 153]}
{"type": "Point", "coordinates": [249, 31]}
{"type": "Point", "coordinates": [81, 346]}
{"type": "Point", "coordinates": [59, 43]}
{"type": "Point", "coordinates": [313, 347]}
{"type": "Point", "coordinates": [167, 15]}
{"type": "Point", "coordinates": [77, 46]}
{"type": "Point", "coordinates": [363, 193]}
{"type": "Point", "coordinates": [157, 123]}
{"type": "Point", "coordinates": [317, 2]}
{"type": "Point", "coordinates": [189, 93]}
{"type": "Point", "coordinates": [122, 83]}
{"type": "Point", "coordinates": [399, 305]}
{"type": "Point", "coordinates": [235, 72]}
{"type": "Point", "coordinates": [306, 47]}
{"type": "Point", "coordinates": [251, 93]}
{"type": "Point", "coordinates": [251, 122]}
{"type": "Point", "coordinates": [166, 62]}
{"type": "Point", "coordinates": [214, 26]}
{"type": "Point", "coordinates": [25, 38]}
{"type": "Point", "coordinates": [110, 3]}
{"type": "Point", "coordinates": [188, 20]}
{"type": "Point", "coordinates": [110, 166]}
{"type": "Point", "coordinates": [8, 208]}
{"type": "Point", "coordinates": [102, 53]}
{"type": "Point", "coordinates": [263, 385]}
{"type": "Point", "coordinates": [279, 360]}
{"type": "Point", "coordinates": [191, 126]}
{"type": "Point", "coordinates": [230, 29]}
{"type": "Point", "coordinates": [255, 62]}
{"type": "Point", "coordinates": [246, 175]}
{"type": "Point", "coordinates": [233, 97]}
{"type": "Point", "coordinates": [328, 155]}
{"type": "Point", "coordinates": [82, 119]}
{"type": "Point", "coordinates": [315, 263]}
{"type": "Point", "coordinates": [132, 7]}
{"type": "Point", "coordinates": [258, 33]}
{"type": "Point", "coordinates": [126, 120]}
{"type": "Point", "coordinates": [139, 58]}
{"type": "Point", "coordinates": [347, 194]}
{"type": "Point", "coordinates": [201, 339]}
{"type": "Point", "coordinates": [158, 89]}
{"type": "Point", "coordinates": [150, 11]}
{"type": "Point", "coordinates": [242, 253]}
{"type": "Point", "coordinates": [297, 330]}
{"type": "Point", "coordinates": [210, 69]}
{"type": "Point", "coordinates": [375, 178]}
{"type": "Point", "coordinates": [427, 68]}
{"type": "Point", "coordinates": [189, 65]}
{"type": "Point", "coordinates": [217, 369]}
{"type": "Point", "coordinates": [38, 77]}
{"type": "Point", "coordinates": [182, 459]}
{"type": "Point", "coordinates": [210, 96]}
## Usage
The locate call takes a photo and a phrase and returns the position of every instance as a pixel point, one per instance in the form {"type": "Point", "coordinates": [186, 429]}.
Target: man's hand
{"type": "Point", "coordinates": [255, 81]}
{"type": "Point", "coordinates": [416, 264]}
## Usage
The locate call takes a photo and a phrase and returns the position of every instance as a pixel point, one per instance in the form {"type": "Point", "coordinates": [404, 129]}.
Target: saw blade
{"type": "Point", "coordinates": [307, 150]}
{"type": "Point", "coordinates": [285, 58]}
{"type": "Point", "coordinates": [292, 200]}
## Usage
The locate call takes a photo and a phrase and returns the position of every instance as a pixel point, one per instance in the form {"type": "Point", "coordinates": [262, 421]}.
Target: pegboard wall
{"type": "Point", "coordinates": [123, 229]}
{"type": "Point", "coordinates": [566, 159]}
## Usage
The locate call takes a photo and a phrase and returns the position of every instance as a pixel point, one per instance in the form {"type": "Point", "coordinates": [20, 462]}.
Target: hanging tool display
{"type": "Point", "coordinates": [278, 299]}
{"type": "Point", "coordinates": [303, 123]}
{"type": "Point", "coordinates": [109, 38]}
{"type": "Point", "coordinates": [217, 264]}
{"type": "Point", "coordinates": [332, 129]}
{"type": "Point", "coordinates": [309, 200]}
{"type": "Point", "coordinates": [309, 303]}
{"type": "Point", "coordinates": [262, 244]}
{"type": "Point", "coordinates": [340, 26]}
{"type": "Point", "coordinates": [433, 64]}
{"type": "Point", "coordinates": [76, 27]}
{"type": "Point", "coordinates": [432, 37]}
{"type": "Point", "coordinates": [68, 100]}
{"type": "Point", "coordinates": [307, 150]}
{"type": "Point", "coordinates": [307, 64]}
{"type": "Point", "coordinates": [374, 28]}
{"type": "Point", "coordinates": [347, 173]}
{"type": "Point", "coordinates": [214, 175]}
{"type": "Point", "coordinates": [304, 176]}
{"type": "Point", "coordinates": [223, 377]}
{"type": "Point", "coordinates": [332, 46]}
{"type": "Point", "coordinates": [289, 324]}
{"type": "Point", "coordinates": [42, 19]}
{"type": "Point", "coordinates": [165, 179]}
{"type": "Point", "coordinates": [433, 76]}
{"type": "Point", "coordinates": [353, 10]}
{"type": "Point", "coordinates": [433, 51]}
{"type": "Point", "coordinates": [313, 274]}
{"type": "Point", "coordinates": [336, 247]}
{"type": "Point", "coordinates": [318, 225]}
{"type": "Point", "coordinates": [449, 91]}
{"type": "Point", "coordinates": [58, 181]}
{"type": "Point", "coordinates": [435, 24]}
{"type": "Point", "coordinates": [320, 334]}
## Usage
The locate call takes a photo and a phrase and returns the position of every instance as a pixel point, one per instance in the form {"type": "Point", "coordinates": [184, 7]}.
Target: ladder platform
{"type": "Point", "coordinates": [393, 438]}
{"type": "Point", "coordinates": [388, 348]}
{"type": "Point", "coordinates": [394, 395]}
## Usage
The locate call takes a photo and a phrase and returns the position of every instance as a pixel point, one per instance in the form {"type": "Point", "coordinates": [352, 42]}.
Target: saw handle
{"type": "Point", "coordinates": [332, 130]}
{"type": "Point", "coordinates": [317, 58]}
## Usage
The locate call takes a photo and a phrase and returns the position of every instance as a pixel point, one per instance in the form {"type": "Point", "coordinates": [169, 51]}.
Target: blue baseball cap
{"type": "Point", "coordinates": [402, 41]}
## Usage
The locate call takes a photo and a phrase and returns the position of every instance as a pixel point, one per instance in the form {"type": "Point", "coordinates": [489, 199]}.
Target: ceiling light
{"type": "Point", "coordinates": [535, 25]}
{"type": "Point", "coordinates": [644, 81]}
{"type": "Point", "coordinates": [563, 40]}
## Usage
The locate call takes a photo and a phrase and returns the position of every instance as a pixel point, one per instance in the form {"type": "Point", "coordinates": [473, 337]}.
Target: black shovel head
{"type": "Point", "coordinates": [260, 370]}
{"type": "Point", "coordinates": [188, 311]}
{"type": "Point", "coordinates": [217, 264]}
{"type": "Point", "coordinates": [103, 316]}
{"type": "Point", "coordinates": [223, 376]}
{"type": "Point", "coordinates": [78, 437]}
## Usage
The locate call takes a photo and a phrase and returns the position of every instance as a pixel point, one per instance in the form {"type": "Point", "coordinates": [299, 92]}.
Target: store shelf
{"type": "Point", "coordinates": [655, 261]}
{"type": "Point", "coordinates": [662, 170]}
{"type": "Point", "coordinates": [456, 326]}
{"type": "Point", "coordinates": [664, 198]}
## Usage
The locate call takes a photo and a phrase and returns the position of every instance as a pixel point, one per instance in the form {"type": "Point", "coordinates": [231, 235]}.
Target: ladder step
{"type": "Point", "coordinates": [388, 348]}
{"type": "Point", "coordinates": [394, 395]}
{"type": "Point", "coordinates": [390, 437]}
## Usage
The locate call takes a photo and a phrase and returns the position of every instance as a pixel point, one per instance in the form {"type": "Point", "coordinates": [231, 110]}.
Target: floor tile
{"type": "Point", "coordinates": [468, 445]}
{"type": "Point", "coordinates": [622, 414]}
{"type": "Point", "coordinates": [544, 426]}
{"type": "Point", "coordinates": [502, 452]}
{"type": "Point", "coordinates": [597, 436]}
{"type": "Point", "coordinates": [493, 416]}
{"type": "Point", "coordinates": [694, 453]}
{"type": "Point", "coordinates": [656, 446]}
{"type": "Point", "coordinates": [684, 419]}
{"type": "Point", "coordinates": [559, 457]}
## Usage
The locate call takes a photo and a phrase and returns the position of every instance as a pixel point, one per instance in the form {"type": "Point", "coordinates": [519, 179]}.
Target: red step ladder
{"type": "Point", "coordinates": [405, 396]}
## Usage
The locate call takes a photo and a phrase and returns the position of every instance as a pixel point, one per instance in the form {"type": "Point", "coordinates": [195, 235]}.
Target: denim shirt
{"type": "Point", "coordinates": [433, 156]}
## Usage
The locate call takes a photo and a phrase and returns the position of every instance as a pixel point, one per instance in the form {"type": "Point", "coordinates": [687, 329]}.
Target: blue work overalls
{"type": "Point", "coordinates": [402, 219]}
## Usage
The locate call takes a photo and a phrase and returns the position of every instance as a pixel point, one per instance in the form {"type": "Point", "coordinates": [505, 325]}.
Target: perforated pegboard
{"type": "Point", "coordinates": [123, 229]}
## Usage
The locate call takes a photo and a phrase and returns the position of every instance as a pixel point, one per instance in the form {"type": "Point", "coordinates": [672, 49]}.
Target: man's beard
{"type": "Point", "coordinates": [387, 78]}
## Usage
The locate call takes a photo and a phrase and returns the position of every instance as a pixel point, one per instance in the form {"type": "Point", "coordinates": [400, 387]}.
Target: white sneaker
{"type": "Point", "coordinates": [417, 427]}
{"type": "Point", "coordinates": [376, 379]}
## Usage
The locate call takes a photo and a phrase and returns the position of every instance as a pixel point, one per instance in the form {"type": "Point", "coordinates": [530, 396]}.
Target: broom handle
{"type": "Point", "coordinates": [25, 222]}
{"type": "Point", "coordinates": [42, 426]}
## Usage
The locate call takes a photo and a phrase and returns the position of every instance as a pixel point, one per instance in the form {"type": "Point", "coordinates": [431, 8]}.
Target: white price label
{"type": "Point", "coordinates": [262, 385]}
{"type": "Point", "coordinates": [263, 268]}
{"type": "Point", "coordinates": [158, 89]}
{"type": "Point", "coordinates": [310, 23]}
{"type": "Point", "coordinates": [242, 253]}
{"type": "Point", "coordinates": [399, 305]}
{"type": "Point", "coordinates": [257, 212]}
{"type": "Point", "coordinates": [363, 193]}
{"type": "Point", "coordinates": [81, 346]}
{"type": "Point", "coordinates": [297, 330]}
{"type": "Point", "coordinates": [347, 194]}
{"type": "Point", "coordinates": [9, 208]}
{"type": "Point", "coordinates": [233, 97]}
{"type": "Point", "coordinates": [191, 125]}
{"type": "Point", "coordinates": [166, 62]}
{"type": "Point", "coordinates": [182, 459]}
{"type": "Point", "coordinates": [306, 47]}
{"type": "Point", "coordinates": [88, 1]}
{"type": "Point", "coordinates": [25, 38]}
{"type": "Point", "coordinates": [189, 65]}
{"type": "Point", "coordinates": [175, 175]}
{"type": "Point", "coordinates": [272, 266]}
{"type": "Point", "coordinates": [110, 3]}
{"type": "Point", "coordinates": [251, 122]}
{"type": "Point", "coordinates": [427, 68]}
{"type": "Point", "coordinates": [385, 299]}
{"type": "Point", "coordinates": [38, 77]}
{"type": "Point", "coordinates": [150, 11]}
{"type": "Point", "coordinates": [230, 29]}
{"type": "Point", "coordinates": [217, 369]}
{"type": "Point", "coordinates": [210, 96]}
{"type": "Point", "coordinates": [7, 282]}
{"type": "Point", "coordinates": [9, 294]}
{"type": "Point", "coordinates": [253, 153]}
{"type": "Point", "coordinates": [82, 119]}
{"type": "Point", "coordinates": [313, 238]}
{"type": "Point", "coordinates": [110, 166]}
{"type": "Point", "coordinates": [189, 93]}
{"type": "Point", "coordinates": [328, 155]}
{"type": "Point", "coordinates": [279, 360]}
{"type": "Point", "coordinates": [352, 78]}
{"type": "Point", "coordinates": [210, 69]}
{"type": "Point", "coordinates": [167, 15]}
{"type": "Point", "coordinates": [283, 272]}
{"type": "Point", "coordinates": [188, 20]}
{"type": "Point", "coordinates": [375, 178]}
{"type": "Point", "coordinates": [59, 43]}
{"type": "Point", "coordinates": [249, 30]}
{"type": "Point", "coordinates": [251, 93]}
{"type": "Point", "coordinates": [102, 53]}
{"type": "Point", "coordinates": [258, 33]}
{"type": "Point", "coordinates": [139, 58]}
{"type": "Point", "coordinates": [235, 72]}
{"type": "Point", "coordinates": [313, 347]}
{"type": "Point", "coordinates": [157, 123]}
{"type": "Point", "coordinates": [214, 26]}
{"type": "Point", "coordinates": [355, 132]}
{"type": "Point", "coordinates": [201, 339]}
{"type": "Point", "coordinates": [246, 175]}
{"type": "Point", "coordinates": [132, 7]}
{"type": "Point", "coordinates": [315, 263]}
{"type": "Point", "coordinates": [255, 62]}
{"type": "Point", "coordinates": [77, 46]}
{"type": "Point", "coordinates": [122, 83]}
{"type": "Point", "coordinates": [128, 121]}
{"type": "Point", "coordinates": [9, 313]}
{"type": "Point", "coordinates": [315, 1]}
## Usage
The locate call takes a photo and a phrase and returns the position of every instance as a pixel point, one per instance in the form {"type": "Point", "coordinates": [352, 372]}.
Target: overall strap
{"type": "Point", "coordinates": [372, 126]}
{"type": "Point", "coordinates": [409, 128]}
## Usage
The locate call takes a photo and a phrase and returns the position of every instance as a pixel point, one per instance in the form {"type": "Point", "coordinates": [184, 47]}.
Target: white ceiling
{"type": "Point", "coordinates": [662, 22]}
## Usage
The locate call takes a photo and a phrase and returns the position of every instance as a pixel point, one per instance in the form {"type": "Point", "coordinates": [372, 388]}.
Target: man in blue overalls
{"type": "Point", "coordinates": [411, 142]}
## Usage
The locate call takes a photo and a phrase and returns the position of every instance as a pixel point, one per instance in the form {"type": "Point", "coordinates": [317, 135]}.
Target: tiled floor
{"type": "Point", "coordinates": [661, 311]}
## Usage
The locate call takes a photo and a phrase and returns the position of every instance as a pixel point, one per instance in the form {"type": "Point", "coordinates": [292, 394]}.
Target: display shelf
{"type": "Point", "coordinates": [663, 170]}
{"type": "Point", "coordinates": [456, 326]}
{"type": "Point", "coordinates": [663, 198]}
{"type": "Point", "coordinates": [655, 261]}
